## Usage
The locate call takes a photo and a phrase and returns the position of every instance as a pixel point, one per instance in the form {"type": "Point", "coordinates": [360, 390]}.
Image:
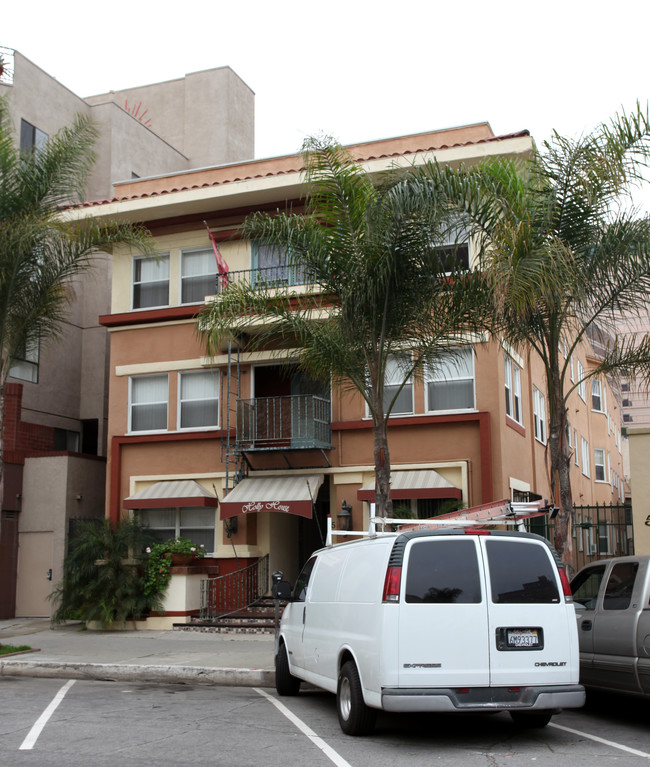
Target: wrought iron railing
{"type": "Point", "coordinates": [230, 593]}
{"type": "Point", "coordinates": [298, 421]}
{"type": "Point", "coordinates": [265, 278]}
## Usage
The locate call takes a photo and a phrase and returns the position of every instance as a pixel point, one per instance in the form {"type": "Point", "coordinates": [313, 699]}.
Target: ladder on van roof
{"type": "Point", "coordinates": [504, 512]}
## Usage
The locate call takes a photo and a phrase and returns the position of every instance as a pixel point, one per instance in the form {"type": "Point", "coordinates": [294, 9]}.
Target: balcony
{"type": "Point", "coordinates": [281, 423]}
{"type": "Point", "coordinates": [267, 278]}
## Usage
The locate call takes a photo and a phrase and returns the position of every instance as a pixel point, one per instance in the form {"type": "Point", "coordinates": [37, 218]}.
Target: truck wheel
{"type": "Point", "coordinates": [532, 720]}
{"type": "Point", "coordinates": [285, 683]}
{"type": "Point", "coordinates": [355, 717]}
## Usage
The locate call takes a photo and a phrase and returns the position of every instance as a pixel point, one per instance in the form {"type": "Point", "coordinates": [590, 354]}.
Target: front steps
{"type": "Point", "coordinates": [258, 618]}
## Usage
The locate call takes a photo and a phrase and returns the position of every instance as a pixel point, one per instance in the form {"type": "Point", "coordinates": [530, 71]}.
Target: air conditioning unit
{"type": "Point", "coordinates": [593, 548]}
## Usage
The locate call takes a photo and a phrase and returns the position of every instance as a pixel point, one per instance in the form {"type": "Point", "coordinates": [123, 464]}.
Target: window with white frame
{"type": "Point", "coordinates": [539, 415]}
{"type": "Point", "coordinates": [25, 364]}
{"type": "Point", "coordinates": [603, 538]}
{"type": "Point", "coordinates": [148, 402]}
{"type": "Point", "coordinates": [576, 457]}
{"type": "Point", "coordinates": [597, 395]}
{"type": "Point", "coordinates": [513, 389]}
{"type": "Point", "coordinates": [198, 399]}
{"type": "Point", "coordinates": [571, 371]}
{"type": "Point", "coordinates": [585, 456]}
{"type": "Point", "coordinates": [151, 281]}
{"type": "Point", "coordinates": [396, 371]}
{"type": "Point", "coordinates": [568, 434]}
{"type": "Point", "coordinates": [198, 275]}
{"type": "Point", "coordinates": [581, 374]}
{"type": "Point", "coordinates": [272, 267]}
{"type": "Point", "coordinates": [450, 381]}
{"type": "Point", "coordinates": [599, 465]}
{"type": "Point", "coordinates": [196, 523]}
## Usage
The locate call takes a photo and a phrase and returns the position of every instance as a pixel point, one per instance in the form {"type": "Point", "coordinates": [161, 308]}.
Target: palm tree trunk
{"type": "Point", "coordinates": [383, 501]}
{"type": "Point", "coordinates": [560, 459]}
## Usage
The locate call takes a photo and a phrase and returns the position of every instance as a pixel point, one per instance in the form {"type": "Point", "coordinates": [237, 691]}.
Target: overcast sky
{"type": "Point", "coordinates": [359, 70]}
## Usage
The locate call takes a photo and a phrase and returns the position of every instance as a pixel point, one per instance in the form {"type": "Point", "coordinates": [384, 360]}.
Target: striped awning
{"type": "Point", "coordinates": [420, 483]}
{"type": "Point", "coordinates": [171, 494]}
{"type": "Point", "coordinates": [291, 494]}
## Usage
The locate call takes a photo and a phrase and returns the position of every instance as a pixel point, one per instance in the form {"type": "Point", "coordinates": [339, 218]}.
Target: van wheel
{"type": "Point", "coordinates": [355, 717]}
{"type": "Point", "coordinates": [533, 720]}
{"type": "Point", "coordinates": [285, 682]}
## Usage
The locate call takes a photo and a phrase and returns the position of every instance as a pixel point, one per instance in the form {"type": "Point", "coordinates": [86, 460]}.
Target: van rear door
{"type": "Point", "coordinates": [443, 615]}
{"type": "Point", "coordinates": [532, 630]}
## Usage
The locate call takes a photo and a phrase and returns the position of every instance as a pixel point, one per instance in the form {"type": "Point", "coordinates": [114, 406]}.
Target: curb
{"type": "Point", "coordinates": [114, 672]}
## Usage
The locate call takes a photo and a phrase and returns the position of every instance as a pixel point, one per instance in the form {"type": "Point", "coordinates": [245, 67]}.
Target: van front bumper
{"type": "Point", "coordinates": [482, 698]}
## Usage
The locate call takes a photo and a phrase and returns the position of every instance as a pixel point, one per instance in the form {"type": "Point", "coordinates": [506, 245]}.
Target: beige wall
{"type": "Point", "coordinates": [640, 481]}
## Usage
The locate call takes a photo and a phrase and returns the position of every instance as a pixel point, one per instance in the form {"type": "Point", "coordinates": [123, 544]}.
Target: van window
{"type": "Point", "coordinates": [443, 572]}
{"type": "Point", "coordinates": [585, 586]}
{"type": "Point", "coordinates": [620, 586]}
{"type": "Point", "coordinates": [300, 589]}
{"type": "Point", "coordinates": [521, 573]}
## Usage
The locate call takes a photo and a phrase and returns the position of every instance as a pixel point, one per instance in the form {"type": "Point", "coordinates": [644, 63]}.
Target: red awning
{"type": "Point", "coordinates": [291, 494]}
{"type": "Point", "coordinates": [171, 494]}
{"type": "Point", "coordinates": [422, 483]}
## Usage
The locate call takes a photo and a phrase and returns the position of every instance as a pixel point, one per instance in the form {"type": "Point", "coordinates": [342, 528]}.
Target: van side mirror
{"type": "Point", "coordinates": [281, 590]}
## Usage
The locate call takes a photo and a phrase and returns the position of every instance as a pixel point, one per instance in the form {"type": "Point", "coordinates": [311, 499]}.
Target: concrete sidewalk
{"type": "Point", "coordinates": [190, 657]}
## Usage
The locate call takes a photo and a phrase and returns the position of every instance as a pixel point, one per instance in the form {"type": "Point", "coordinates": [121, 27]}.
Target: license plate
{"type": "Point", "coordinates": [523, 638]}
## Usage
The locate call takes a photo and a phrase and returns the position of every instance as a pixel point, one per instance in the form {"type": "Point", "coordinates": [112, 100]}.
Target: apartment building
{"type": "Point", "coordinates": [241, 452]}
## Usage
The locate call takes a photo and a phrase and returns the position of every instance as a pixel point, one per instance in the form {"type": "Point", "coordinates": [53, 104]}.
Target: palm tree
{"type": "Point", "coordinates": [41, 250]}
{"type": "Point", "coordinates": [382, 294]}
{"type": "Point", "coordinates": [565, 254]}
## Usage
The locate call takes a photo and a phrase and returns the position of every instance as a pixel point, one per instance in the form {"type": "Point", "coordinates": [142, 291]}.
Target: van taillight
{"type": "Point", "coordinates": [392, 584]}
{"type": "Point", "coordinates": [566, 586]}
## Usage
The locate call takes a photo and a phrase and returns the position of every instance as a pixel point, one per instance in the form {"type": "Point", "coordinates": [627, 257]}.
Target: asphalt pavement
{"type": "Point", "coordinates": [69, 651]}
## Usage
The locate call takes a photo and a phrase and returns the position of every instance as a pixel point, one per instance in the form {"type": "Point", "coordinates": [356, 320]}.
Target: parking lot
{"type": "Point", "coordinates": [54, 722]}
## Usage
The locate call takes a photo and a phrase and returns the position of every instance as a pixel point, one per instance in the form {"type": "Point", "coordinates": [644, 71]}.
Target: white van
{"type": "Point", "coordinates": [433, 620]}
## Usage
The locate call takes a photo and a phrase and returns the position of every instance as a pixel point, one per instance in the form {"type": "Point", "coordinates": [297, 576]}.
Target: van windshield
{"type": "Point", "coordinates": [521, 572]}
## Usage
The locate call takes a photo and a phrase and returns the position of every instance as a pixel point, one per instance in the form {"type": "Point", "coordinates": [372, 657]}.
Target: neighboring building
{"type": "Point", "coordinates": [639, 439]}
{"type": "Point", "coordinates": [57, 397]}
{"type": "Point", "coordinates": [249, 431]}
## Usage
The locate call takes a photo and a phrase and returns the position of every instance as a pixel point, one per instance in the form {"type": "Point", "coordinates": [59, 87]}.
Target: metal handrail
{"type": "Point", "coordinates": [227, 594]}
{"type": "Point", "coordinates": [301, 420]}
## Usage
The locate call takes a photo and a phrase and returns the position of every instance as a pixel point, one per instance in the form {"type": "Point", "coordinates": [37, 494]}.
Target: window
{"type": "Point", "coordinates": [581, 375]}
{"type": "Point", "coordinates": [568, 434]}
{"type": "Point", "coordinates": [198, 275]}
{"type": "Point", "coordinates": [597, 395]}
{"type": "Point", "coordinates": [151, 282]}
{"type": "Point", "coordinates": [575, 447]}
{"type": "Point", "coordinates": [25, 364]}
{"type": "Point", "coordinates": [450, 381]}
{"type": "Point", "coordinates": [521, 573]}
{"type": "Point", "coordinates": [148, 410]}
{"type": "Point", "coordinates": [198, 400]}
{"type": "Point", "coordinates": [571, 372]}
{"type": "Point", "coordinates": [31, 138]}
{"type": "Point", "coordinates": [539, 415]}
{"type": "Point", "coordinates": [513, 389]}
{"type": "Point", "coordinates": [618, 593]}
{"type": "Point", "coordinates": [453, 253]}
{"type": "Point", "coordinates": [272, 267]}
{"type": "Point", "coordinates": [585, 456]}
{"type": "Point", "coordinates": [586, 585]}
{"type": "Point", "coordinates": [599, 464]}
{"type": "Point", "coordinates": [396, 370]}
{"type": "Point", "coordinates": [603, 539]}
{"type": "Point", "coordinates": [196, 523]}
{"type": "Point", "coordinates": [443, 572]}
{"type": "Point", "coordinates": [65, 439]}
{"type": "Point", "coordinates": [302, 581]}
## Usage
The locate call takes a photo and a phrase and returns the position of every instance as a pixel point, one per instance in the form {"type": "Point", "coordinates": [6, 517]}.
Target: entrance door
{"type": "Point", "coordinates": [34, 564]}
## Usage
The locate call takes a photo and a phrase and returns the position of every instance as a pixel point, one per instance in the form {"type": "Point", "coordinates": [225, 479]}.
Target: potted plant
{"type": "Point", "coordinates": [160, 557]}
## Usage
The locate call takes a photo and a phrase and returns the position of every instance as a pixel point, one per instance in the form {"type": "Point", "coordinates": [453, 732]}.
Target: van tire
{"type": "Point", "coordinates": [355, 717]}
{"type": "Point", "coordinates": [285, 683]}
{"type": "Point", "coordinates": [533, 720]}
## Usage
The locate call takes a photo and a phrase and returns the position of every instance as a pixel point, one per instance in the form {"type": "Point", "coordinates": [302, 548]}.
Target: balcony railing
{"type": "Point", "coordinates": [266, 278]}
{"type": "Point", "coordinates": [274, 423]}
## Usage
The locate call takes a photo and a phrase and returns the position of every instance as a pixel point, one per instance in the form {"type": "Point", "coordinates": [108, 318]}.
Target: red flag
{"type": "Point", "coordinates": [222, 266]}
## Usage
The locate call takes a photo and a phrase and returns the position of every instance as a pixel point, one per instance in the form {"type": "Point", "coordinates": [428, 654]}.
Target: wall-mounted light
{"type": "Point", "coordinates": [78, 497]}
{"type": "Point", "coordinates": [344, 517]}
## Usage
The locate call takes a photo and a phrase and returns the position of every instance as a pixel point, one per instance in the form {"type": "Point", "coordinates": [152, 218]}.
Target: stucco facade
{"type": "Point", "coordinates": [474, 454]}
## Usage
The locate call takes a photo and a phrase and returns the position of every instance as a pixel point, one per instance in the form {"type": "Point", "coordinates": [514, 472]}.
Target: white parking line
{"type": "Point", "coordinates": [601, 740]}
{"type": "Point", "coordinates": [329, 752]}
{"type": "Point", "coordinates": [42, 720]}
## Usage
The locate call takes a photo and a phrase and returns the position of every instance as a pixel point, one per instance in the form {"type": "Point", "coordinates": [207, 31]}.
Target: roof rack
{"type": "Point", "coordinates": [504, 512]}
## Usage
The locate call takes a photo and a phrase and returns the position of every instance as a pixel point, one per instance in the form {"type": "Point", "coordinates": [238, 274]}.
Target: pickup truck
{"type": "Point", "coordinates": [612, 604]}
